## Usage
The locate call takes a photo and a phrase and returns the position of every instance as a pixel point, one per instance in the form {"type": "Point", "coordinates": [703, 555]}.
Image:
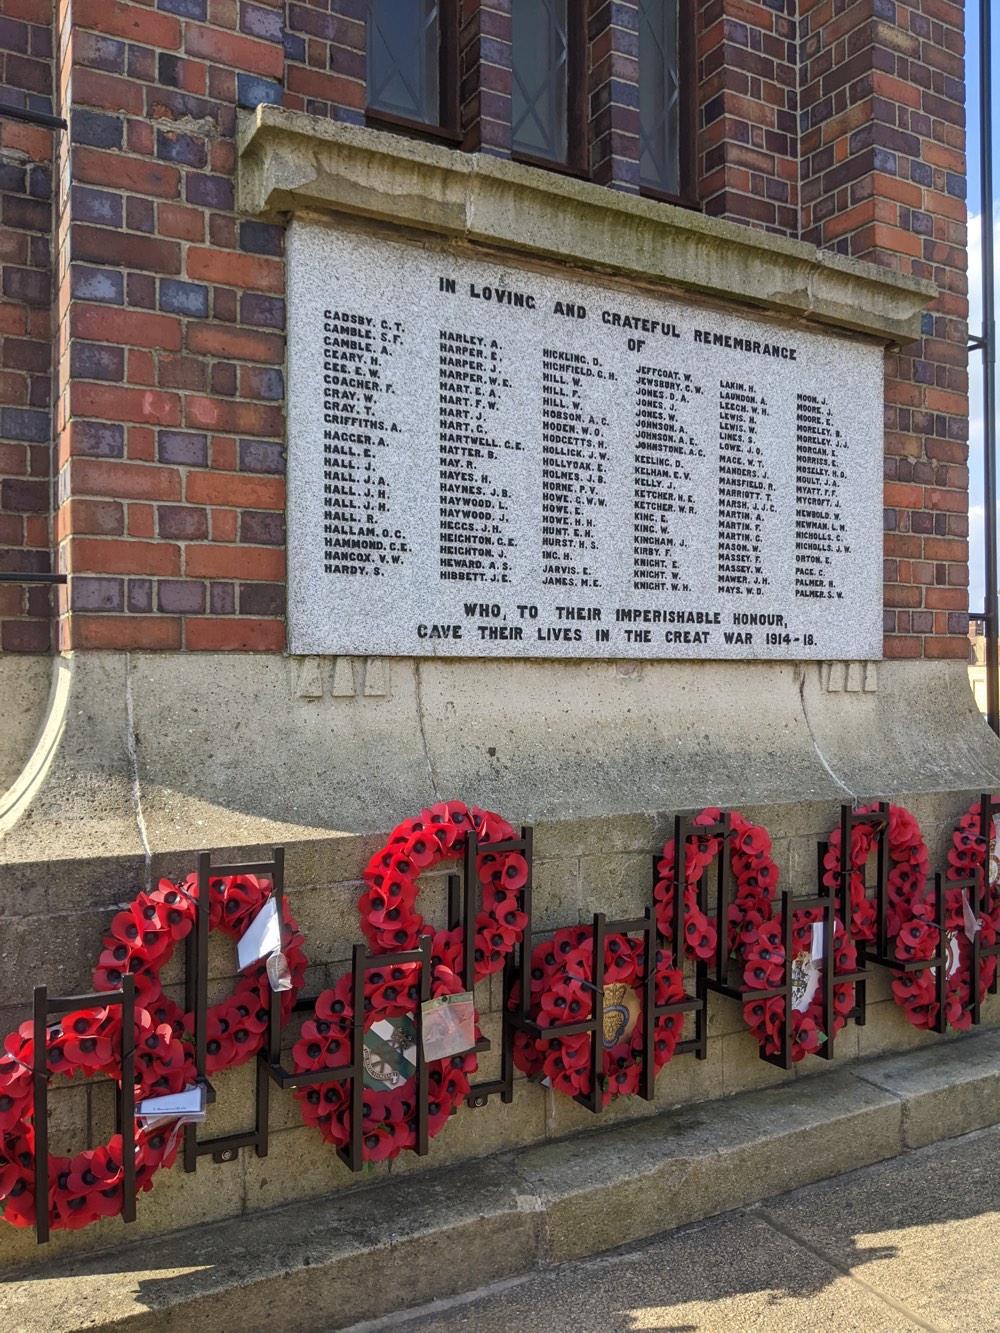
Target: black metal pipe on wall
{"type": "Point", "coordinates": [986, 344]}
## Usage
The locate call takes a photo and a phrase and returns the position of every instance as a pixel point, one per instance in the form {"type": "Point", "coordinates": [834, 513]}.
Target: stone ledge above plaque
{"type": "Point", "coordinates": [292, 163]}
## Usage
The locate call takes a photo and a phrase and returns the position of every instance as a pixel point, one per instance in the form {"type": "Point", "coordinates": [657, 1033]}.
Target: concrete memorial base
{"type": "Point", "coordinates": [142, 760]}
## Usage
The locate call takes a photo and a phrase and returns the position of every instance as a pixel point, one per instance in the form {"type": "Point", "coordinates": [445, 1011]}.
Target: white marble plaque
{"type": "Point", "coordinates": [486, 460]}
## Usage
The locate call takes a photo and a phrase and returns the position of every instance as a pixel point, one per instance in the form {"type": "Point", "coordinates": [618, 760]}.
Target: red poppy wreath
{"type": "Point", "coordinates": [89, 1185]}
{"type": "Point", "coordinates": [391, 923]}
{"type": "Point", "coordinates": [562, 986]}
{"type": "Point", "coordinates": [905, 883]}
{"type": "Point", "coordinates": [389, 917]}
{"type": "Point", "coordinates": [762, 953]}
{"type": "Point", "coordinates": [755, 935]}
{"type": "Point", "coordinates": [753, 869]}
{"type": "Point", "coordinates": [389, 1107]}
{"type": "Point", "coordinates": [910, 914]}
{"type": "Point", "coordinates": [970, 856]}
{"type": "Point", "coordinates": [143, 938]}
{"type": "Point", "coordinates": [562, 980]}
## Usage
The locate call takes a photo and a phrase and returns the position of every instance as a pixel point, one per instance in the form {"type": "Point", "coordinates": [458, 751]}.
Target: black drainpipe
{"type": "Point", "coordinates": [985, 342]}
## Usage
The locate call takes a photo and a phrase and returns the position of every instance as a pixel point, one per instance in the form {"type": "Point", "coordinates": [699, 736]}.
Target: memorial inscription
{"type": "Point", "coordinates": [490, 461]}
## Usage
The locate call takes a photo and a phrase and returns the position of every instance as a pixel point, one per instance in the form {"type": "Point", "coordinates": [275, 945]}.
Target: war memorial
{"type": "Point", "coordinates": [485, 491]}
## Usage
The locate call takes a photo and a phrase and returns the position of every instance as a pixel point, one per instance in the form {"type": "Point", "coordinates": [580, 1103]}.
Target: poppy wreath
{"type": "Point", "coordinates": [91, 1184]}
{"type": "Point", "coordinates": [917, 991]}
{"type": "Point", "coordinates": [389, 1121]}
{"type": "Point", "coordinates": [389, 917]}
{"type": "Point", "coordinates": [911, 911]}
{"type": "Point", "coordinates": [762, 953]}
{"type": "Point", "coordinates": [142, 940]}
{"type": "Point", "coordinates": [754, 871]}
{"type": "Point", "coordinates": [754, 931]}
{"type": "Point", "coordinates": [562, 986]}
{"type": "Point", "coordinates": [906, 881]}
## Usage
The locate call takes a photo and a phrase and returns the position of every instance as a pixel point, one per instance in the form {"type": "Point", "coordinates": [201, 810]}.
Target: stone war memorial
{"type": "Point", "coordinates": [488, 761]}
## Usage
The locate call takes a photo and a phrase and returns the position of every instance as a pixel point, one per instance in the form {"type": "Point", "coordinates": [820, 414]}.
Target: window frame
{"type": "Point", "coordinates": [448, 127]}
{"type": "Point", "coordinates": [577, 160]}
{"type": "Point", "coordinates": [687, 79]}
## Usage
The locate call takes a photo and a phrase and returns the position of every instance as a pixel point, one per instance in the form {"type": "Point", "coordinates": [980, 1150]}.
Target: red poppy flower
{"type": "Point", "coordinates": [754, 840]}
{"type": "Point", "coordinates": [623, 1081]}
{"type": "Point", "coordinates": [562, 1068]}
{"type": "Point", "coordinates": [422, 849]}
{"type": "Point", "coordinates": [447, 948]}
{"type": "Point", "coordinates": [98, 1168]}
{"type": "Point", "coordinates": [89, 1037]}
{"type": "Point", "coordinates": [489, 952]}
{"type": "Point", "coordinates": [335, 1004]}
{"type": "Point", "coordinates": [489, 827]}
{"type": "Point", "coordinates": [176, 910]}
{"type": "Point", "coordinates": [843, 999]}
{"type": "Point", "coordinates": [398, 938]}
{"type": "Point", "coordinates": [915, 939]}
{"type": "Point", "coordinates": [807, 1037]}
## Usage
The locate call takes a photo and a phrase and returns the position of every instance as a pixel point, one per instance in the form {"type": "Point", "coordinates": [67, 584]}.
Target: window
{"type": "Point", "coordinates": [411, 64]}
{"type": "Point", "coordinates": [548, 92]}
{"type": "Point", "coordinates": [665, 119]}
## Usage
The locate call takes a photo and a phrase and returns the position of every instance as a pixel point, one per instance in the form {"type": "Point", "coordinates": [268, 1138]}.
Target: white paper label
{"type": "Point", "coordinates": [190, 1102]}
{"type": "Point", "coordinates": [971, 921]}
{"type": "Point", "coordinates": [261, 937]}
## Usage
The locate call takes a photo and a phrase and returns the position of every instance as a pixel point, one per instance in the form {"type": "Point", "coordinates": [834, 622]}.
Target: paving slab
{"type": "Point", "coordinates": [913, 1243]}
{"type": "Point", "coordinates": [724, 1275]}
{"type": "Point", "coordinates": [924, 1229]}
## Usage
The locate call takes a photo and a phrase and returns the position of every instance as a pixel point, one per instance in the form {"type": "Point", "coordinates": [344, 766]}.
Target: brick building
{"type": "Point", "coordinates": [143, 316]}
{"type": "Point", "coordinates": [800, 158]}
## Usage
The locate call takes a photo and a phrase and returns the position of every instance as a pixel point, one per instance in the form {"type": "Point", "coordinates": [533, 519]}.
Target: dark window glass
{"type": "Point", "coordinates": [404, 59]}
{"type": "Point", "coordinates": [659, 96]}
{"type": "Point", "coordinates": [540, 60]}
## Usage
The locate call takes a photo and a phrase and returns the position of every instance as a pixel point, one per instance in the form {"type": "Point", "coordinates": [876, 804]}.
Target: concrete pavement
{"type": "Point", "coordinates": [912, 1243]}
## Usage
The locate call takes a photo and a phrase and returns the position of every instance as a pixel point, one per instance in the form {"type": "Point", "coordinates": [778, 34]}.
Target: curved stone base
{"type": "Point", "coordinates": [150, 753]}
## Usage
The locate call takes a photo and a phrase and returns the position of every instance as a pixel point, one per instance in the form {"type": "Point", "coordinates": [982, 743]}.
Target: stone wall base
{"type": "Point", "coordinates": [329, 1262]}
{"type": "Point", "coordinates": [143, 760]}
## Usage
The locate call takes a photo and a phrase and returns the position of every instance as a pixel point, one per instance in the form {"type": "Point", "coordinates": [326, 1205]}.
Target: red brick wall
{"type": "Point", "coordinates": [324, 47]}
{"type": "Point", "coordinates": [171, 423]}
{"type": "Point", "coordinates": [840, 122]}
{"type": "Point", "coordinates": [484, 75]}
{"type": "Point", "coordinates": [883, 179]}
{"type": "Point", "coordinates": [748, 87]}
{"type": "Point", "coordinates": [25, 336]}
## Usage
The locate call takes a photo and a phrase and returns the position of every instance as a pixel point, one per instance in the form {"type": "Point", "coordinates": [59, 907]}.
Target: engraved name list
{"type": "Point", "coordinates": [486, 460]}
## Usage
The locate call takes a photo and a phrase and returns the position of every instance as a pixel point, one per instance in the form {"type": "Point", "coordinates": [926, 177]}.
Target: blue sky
{"type": "Point", "coordinates": [976, 549]}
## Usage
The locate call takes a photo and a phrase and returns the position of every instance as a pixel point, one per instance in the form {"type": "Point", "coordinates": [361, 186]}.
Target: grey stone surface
{"type": "Point", "coordinates": [923, 1230]}
{"type": "Point", "coordinates": [786, 1136]}
{"type": "Point", "coordinates": [733, 1275]}
{"type": "Point", "coordinates": [368, 1253]}
{"type": "Point", "coordinates": [966, 760]}
{"type": "Point", "coordinates": [489, 461]}
{"type": "Point", "coordinates": [296, 1268]}
{"type": "Point", "coordinates": [596, 755]}
{"type": "Point", "coordinates": [907, 1244]}
{"type": "Point", "coordinates": [957, 1084]}
{"type": "Point", "coordinates": [290, 162]}
{"type": "Point", "coordinates": [78, 776]}
{"type": "Point", "coordinates": [24, 688]}
{"type": "Point", "coordinates": [220, 751]}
